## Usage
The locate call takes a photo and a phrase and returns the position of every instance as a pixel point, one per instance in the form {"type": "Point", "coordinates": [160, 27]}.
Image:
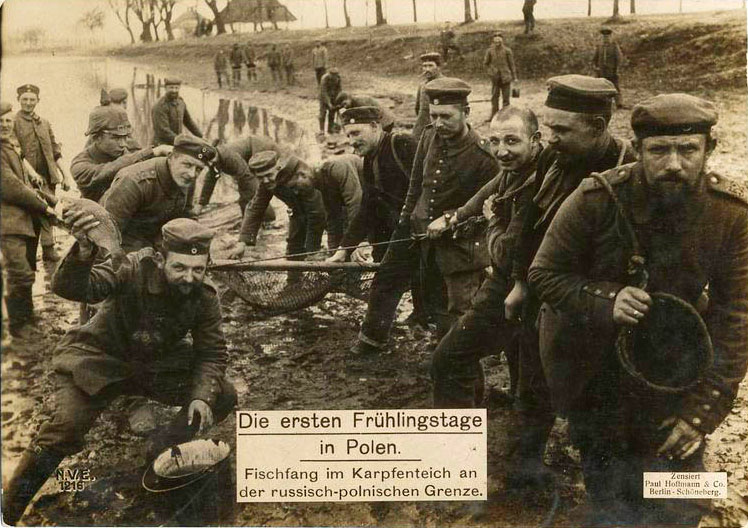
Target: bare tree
{"type": "Point", "coordinates": [144, 13]}
{"type": "Point", "coordinates": [589, 7]}
{"type": "Point", "coordinates": [166, 11]}
{"type": "Point", "coordinates": [220, 26]}
{"type": "Point", "coordinates": [468, 15]}
{"type": "Point", "coordinates": [380, 13]}
{"type": "Point", "coordinates": [327, 21]}
{"type": "Point", "coordinates": [680, 6]}
{"type": "Point", "coordinates": [633, 7]}
{"type": "Point", "coordinates": [415, 12]}
{"type": "Point", "coordinates": [345, 14]}
{"type": "Point", "coordinates": [122, 10]}
{"type": "Point", "coordinates": [616, 9]}
{"type": "Point", "coordinates": [475, 8]}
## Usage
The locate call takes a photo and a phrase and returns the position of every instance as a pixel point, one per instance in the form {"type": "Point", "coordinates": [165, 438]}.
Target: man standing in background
{"type": "Point", "coordinates": [500, 61]}
{"type": "Point", "coordinates": [274, 63]}
{"type": "Point", "coordinates": [41, 150]}
{"type": "Point", "coordinates": [288, 65]}
{"type": "Point", "coordinates": [528, 13]}
{"type": "Point", "coordinates": [319, 60]}
{"type": "Point", "coordinates": [447, 39]}
{"type": "Point", "coordinates": [329, 89]}
{"type": "Point", "coordinates": [221, 65]}
{"type": "Point", "coordinates": [170, 115]}
{"type": "Point", "coordinates": [608, 60]}
{"type": "Point", "coordinates": [250, 60]}
{"type": "Point", "coordinates": [430, 63]}
{"type": "Point", "coordinates": [237, 59]}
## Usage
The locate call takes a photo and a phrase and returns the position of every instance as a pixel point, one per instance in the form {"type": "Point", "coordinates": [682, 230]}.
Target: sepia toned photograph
{"type": "Point", "coordinates": [392, 263]}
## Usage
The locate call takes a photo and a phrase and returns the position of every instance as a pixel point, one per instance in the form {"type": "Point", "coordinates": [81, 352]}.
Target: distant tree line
{"type": "Point", "coordinates": [149, 14]}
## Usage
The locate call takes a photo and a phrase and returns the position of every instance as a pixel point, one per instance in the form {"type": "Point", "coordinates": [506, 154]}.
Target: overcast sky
{"type": "Point", "coordinates": [59, 17]}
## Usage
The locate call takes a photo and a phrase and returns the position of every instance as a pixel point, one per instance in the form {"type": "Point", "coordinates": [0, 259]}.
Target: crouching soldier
{"type": "Point", "coordinates": [135, 345]}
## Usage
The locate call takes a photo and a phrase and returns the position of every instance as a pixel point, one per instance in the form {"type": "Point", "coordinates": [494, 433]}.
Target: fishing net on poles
{"type": "Point", "coordinates": [274, 288]}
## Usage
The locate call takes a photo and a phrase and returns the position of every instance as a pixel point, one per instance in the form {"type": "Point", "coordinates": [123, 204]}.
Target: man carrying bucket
{"type": "Point", "coordinates": [135, 344]}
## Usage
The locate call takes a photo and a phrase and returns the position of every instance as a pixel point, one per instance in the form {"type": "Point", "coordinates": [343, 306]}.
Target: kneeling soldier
{"type": "Point", "coordinates": [135, 344]}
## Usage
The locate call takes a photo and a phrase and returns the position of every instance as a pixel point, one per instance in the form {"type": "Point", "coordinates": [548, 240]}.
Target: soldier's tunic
{"type": "Point", "coordinates": [483, 329]}
{"type": "Point", "coordinates": [339, 182]}
{"type": "Point", "coordinates": [423, 117]}
{"type": "Point", "coordinates": [306, 212]}
{"type": "Point", "coordinates": [169, 116]}
{"type": "Point", "coordinates": [41, 150]}
{"type": "Point", "coordinates": [142, 198]}
{"type": "Point", "coordinates": [232, 159]}
{"type": "Point", "coordinates": [94, 171]}
{"type": "Point", "coordinates": [135, 344]}
{"type": "Point", "coordinates": [446, 174]}
{"type": "Point", "coordinates": [329, 88]}
{"type": "Point", "coordinates": [579, 269]}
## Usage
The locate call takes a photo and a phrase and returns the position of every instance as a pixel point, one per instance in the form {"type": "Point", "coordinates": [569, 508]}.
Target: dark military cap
{"type": "Point", "coordinates": [334, 70]}
{"type": "Point", "coordinates": [263, 162]}
{"type": "Point", "coordinates": [606, 31]}
{"type": "Point", "coordinates": [447, 90]}
{"type": "Point", "coordinates": [117, 95]}
{"type": "Point", "coordinates": [196, 147]}
{"type": "Point", "coordinates": [108, 119]}
{"type": "Point", "coordinates": [5, 107]}
{"type": "Point", "coordinates": [27, 88]}
{"type": "Point", "coordinates": [498, 34]}
{"type": "Point", "coordinates": [672, 115]}
{"type": "Point", "coordinates": [580, 94]}
{"type": "Point", "coordinates": [186, 236]}
{"type": "Point", "coordinates": [432, 57]}
{"type": "Point", "coordinates": [171, 80]}
{"type": "Point", "coordinates": [361, 114]}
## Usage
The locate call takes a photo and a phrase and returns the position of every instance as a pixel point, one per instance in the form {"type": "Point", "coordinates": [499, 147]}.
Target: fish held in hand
{"type": "Point", "coordinates": [106, 235]}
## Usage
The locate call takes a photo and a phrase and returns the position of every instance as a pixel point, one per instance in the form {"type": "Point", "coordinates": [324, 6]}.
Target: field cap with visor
{"type": "Point", "coordinates": [108, 119]}
{"type": "Point", "coordinates": [580, 94]}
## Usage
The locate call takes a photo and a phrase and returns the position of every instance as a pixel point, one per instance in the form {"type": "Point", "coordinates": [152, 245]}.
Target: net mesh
{"type": "Point", "coordinates": [274, 292]}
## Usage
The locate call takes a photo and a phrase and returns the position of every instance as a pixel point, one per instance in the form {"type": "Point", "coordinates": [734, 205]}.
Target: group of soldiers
{"type": "Point", "coordinates": [548, 250]}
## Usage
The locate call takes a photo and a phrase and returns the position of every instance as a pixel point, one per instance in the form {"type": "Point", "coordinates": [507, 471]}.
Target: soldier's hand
{"type": "Point", "coordinates": [80, 223]}
{"type": "Point", "coordinates": [361, 255]}
{"type": "Point", "coordinates": [162, 150]}
{"type": "Point", "coordinates": [339, 256]}
{"type": "Point", "coordinates": [437, 227]}
{"type": "Point", "coordinates": [683, 440]}
{"type": "Point", "coordinates": [515, 300]}
{"type": "Point", "coordinates": [202, 409]}
{"type": "Point", "coordinates": [197, 209]}
{"type": "Point", "coordinates": [237, 252]}
{"type": "Point", "coordinates": [631, 305]}
{"type": "Point", "coordinates": [488, 207]}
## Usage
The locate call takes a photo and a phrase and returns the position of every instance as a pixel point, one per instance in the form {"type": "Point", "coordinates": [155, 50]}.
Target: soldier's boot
{"type": "Point", "coordinates": [528, 471]}
{"type": "Point", "coordinates": [20, 311]}
{"type": "Point", "coordinates": [176, 432]}
{"type": "Point", "coordinates": [50, 254]}
{"type": "Point", "coordinates": [32, 472]}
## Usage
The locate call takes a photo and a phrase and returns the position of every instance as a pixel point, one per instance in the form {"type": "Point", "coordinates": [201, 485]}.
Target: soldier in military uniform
{"type": "Point", "coordinates": [608, 60]}
{"type": "Point", "coordinates": [250, 58]}
{"type": "Point", "coordinates": [344, 100]}
{"type": "Point", "coordinates": [430, 70]}
{"type": "Point", "coordinates": [221, 67]}
{"type": "Point", "coordinates": [319, 60]}
{"type": "Point", "coordinates": [118, 98]}
{"type": "Point", "coordinates": [146, 195]}
{"type": "Point", "coordinates": [42, 151]}
{"type": "Point", "coordinates": [106, 153]}
{"type": "Point", "coordinates": [692, 231]}
{"type": "Point", "coordinates": [232, 159]}
{"type": "Point", "coordinates": [451, 164]}
{"type": "Point", "coordinates": [136, 345]}
{"type": "Point", "coordinates": [237, 59]}
{"type": "Point", "coordinates": [274, 63]}
{"type": "Point", "coordinates": [20, 209]}
{"type": "Point", "coordinates": [306, 210]}
{"type": "Point", "coordinates": [499, 60]}
{"type": "Point", "coordinates": [577, 113]}
{"type": "Point", "coordinates": [170, 115]}
{"type": "Point", "coordinates": [287, 61]}
{"type": "Point", "coordinates": [447, 39]}
{"type": "Point", "coordinates": [329, 88]}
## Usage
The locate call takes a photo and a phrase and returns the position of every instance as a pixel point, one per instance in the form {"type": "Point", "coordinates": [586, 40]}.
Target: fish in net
{"type": "Point", "coordinates": [274, 288]}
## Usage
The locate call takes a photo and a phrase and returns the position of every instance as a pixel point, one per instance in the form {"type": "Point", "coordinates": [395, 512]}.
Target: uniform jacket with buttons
{"type": "Point", "coordinates": [142, 198]}
{"type": "Point", "coordinates": [38, 145]}
{"type": "Point", "coordinates": [307, 203]}
{"type": "Point", "coordinates": [169, 116]}
{"type": "Point", "coordinates": [513, 190]}
{"type": "Point", "coordinates": [232, 160]}
{"type": "Point", "coordinates": [582, 263]}
{"type": "Point", "coordinates": [94, 171]}
{"type": "Point", "coordinates": [384, 184]}
{"type": "Point", "coordinates": [446, 174]}
{"type": "Point", "coordinates": [18, 201]}
{"type": "Point", "coordinates": [140, 325]}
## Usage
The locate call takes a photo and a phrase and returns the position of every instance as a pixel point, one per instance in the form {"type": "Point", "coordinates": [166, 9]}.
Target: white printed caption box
{"type": "Point", "coordinates": [361, 455]}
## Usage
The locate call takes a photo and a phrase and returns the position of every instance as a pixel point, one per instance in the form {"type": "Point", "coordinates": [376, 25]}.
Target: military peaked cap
{"type": "Point", "coordinates": [117, 95]}
{"type": "Point", "coordinates": [186, 236]}
{"type": "Point", "coordinates": [432, 56]}
{"type": "Point", "coordinates": [196, 147]}
{"type": "Point", "coordinates": [361, 114]}
{"type": "Point", "coordinates": [580, 94]}
{"type": "Point", "coordinates": [5, 107]}
{"type": "Point", "coordinates": [27, 88]}
{"type": "Point", "coordinates": [672, 115]}
{"type": "Point", "coordinates": [108, 119]}
{"type": "Point", "coordinates": [447, 90]}
{"type": "Point", "coordinates": [171, 80]}
{"type": "Point", "coordinates": [263, 161]}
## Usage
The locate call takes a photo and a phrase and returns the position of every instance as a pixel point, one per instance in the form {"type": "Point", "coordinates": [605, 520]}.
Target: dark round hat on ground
{"type": "Point", "coordinates": [580, 93]}
{"type": "Point", "coordinates": [108, 119]}
{"type": "Point", "coordinates": [670, 349]}
{"type": "Point", "coordinates": [672, 115]}
{"type": "Point", "coordinates": [181, 465]}
{"type": "Point", "coordinates": [447, 90]}
{"type": "Point", "coordinates": [196, 147]}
